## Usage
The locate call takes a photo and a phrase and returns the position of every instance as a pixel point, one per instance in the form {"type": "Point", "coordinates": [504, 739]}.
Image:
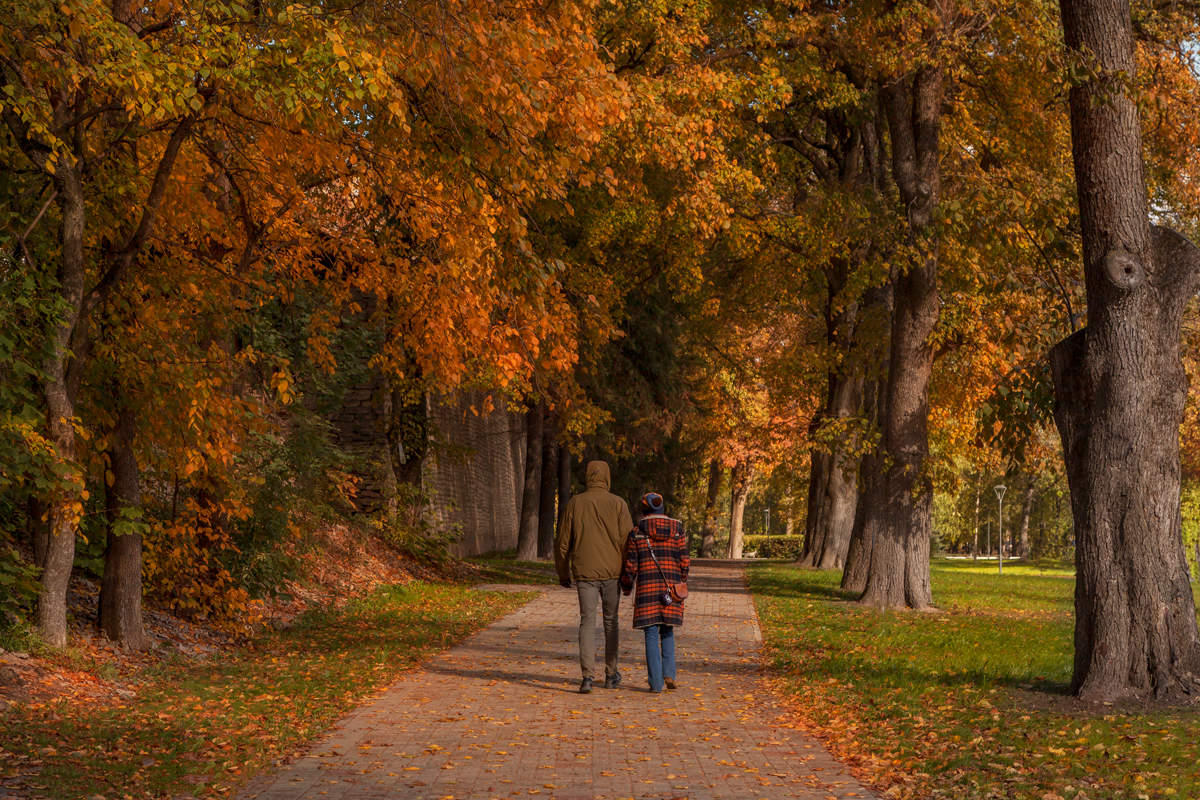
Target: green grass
{"type": "Point", "coordinates": [504, 568]}
{"type": "Point", "coordinates": [967, 704]}
{"type": "Point", "coordinates": [203, 727]}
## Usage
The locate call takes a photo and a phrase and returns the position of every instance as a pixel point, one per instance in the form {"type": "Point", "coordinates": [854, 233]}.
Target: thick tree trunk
{"type": "Point", "coordinates": [869, 507]}
{"type": "Point", "coordinates": [66, 505]}
{"type": "Point", "coordinates": [739, 492]}
{"type": "Point", "coordinates": [1026, 516]}
{"type": "Point", "coordinates": [527, 536]}
{"type": "Point", "coordinates": [1119, 388]}
{"type": "Point", "coordinates": [708, 538]}
{"type": "Point", "coordinates": [842, 488]}
{"type": "Point", "coordinates": [815, 521]}
{"type": "Point", "coordinates": [546, 516]}
{"type": "Point", "coordinates": [120, 617]}
{"type": "Point", "coordinates": [899, 572]}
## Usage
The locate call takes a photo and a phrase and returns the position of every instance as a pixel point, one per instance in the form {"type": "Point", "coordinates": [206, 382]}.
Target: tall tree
{"type": "Point", "coordinates": [1119, 386]}
{"type": "Point", "coordinates": [899, 572]}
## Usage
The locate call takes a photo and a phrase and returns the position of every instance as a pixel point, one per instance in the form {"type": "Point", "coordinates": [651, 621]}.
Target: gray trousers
{"type": "Point", "coordinates": [592, 594]}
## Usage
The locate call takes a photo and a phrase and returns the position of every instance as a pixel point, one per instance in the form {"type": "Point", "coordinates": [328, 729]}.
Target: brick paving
{"type": "Point", "coordinates": [499, 717]}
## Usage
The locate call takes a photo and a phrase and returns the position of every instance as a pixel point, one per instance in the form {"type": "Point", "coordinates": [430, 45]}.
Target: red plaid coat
{"type": "Point", "coordinates": [666, 536]}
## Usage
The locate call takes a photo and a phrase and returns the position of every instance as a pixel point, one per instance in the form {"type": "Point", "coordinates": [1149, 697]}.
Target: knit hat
{"type": "Point", "coordinates": [652, 503]}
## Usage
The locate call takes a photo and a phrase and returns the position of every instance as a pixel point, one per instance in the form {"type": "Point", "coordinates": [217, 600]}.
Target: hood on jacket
{"type": "Point", "coordinates": [660, 533]}
{"type": "Point", "coordinates": [598, 476]}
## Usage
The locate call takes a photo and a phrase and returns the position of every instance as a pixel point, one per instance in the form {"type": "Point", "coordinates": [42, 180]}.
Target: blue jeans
{"type": "Point", "coordinates": [660, 655]}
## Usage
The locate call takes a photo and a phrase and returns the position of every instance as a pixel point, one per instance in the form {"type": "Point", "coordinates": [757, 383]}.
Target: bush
{"type": "Point", "coordinates": [773, 546]}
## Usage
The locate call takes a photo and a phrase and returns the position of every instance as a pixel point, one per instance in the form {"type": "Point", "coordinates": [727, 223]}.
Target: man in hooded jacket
{"type": "Point", "coordinates": [589, 550]}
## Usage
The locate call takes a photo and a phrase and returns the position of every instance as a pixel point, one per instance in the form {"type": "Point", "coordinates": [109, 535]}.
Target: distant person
{"type": "Point", "coordinates": [587, 550]}
{"type": "Point", "coordinates": [657, 560]}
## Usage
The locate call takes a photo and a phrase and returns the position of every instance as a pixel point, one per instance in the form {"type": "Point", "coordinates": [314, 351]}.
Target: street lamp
{"type": "Point", "coordinates": [1000, 488]}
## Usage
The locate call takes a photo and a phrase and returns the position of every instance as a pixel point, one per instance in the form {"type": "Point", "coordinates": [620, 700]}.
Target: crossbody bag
{"type": "Point", "coordinates": [676, 592]}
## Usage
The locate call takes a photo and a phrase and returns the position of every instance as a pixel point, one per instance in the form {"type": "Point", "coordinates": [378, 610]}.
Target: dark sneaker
{"type": "Point", "coordinates": [612, 681]}
{"type": "Point", "coordinates": [670, 684]}
{"type": "Point", "coordinates": [585, 686]}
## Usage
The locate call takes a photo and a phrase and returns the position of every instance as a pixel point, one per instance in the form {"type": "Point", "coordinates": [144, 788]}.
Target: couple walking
{"type": "Point", "coordinates": [599, 549]}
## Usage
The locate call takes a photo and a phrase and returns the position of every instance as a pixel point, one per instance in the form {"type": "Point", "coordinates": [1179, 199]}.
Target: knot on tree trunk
{"type": "Point", "coordinates": [1123, 269]}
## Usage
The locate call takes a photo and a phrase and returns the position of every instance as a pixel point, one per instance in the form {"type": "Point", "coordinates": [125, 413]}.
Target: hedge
{"type": "Point", "coordinates": [773, 546]}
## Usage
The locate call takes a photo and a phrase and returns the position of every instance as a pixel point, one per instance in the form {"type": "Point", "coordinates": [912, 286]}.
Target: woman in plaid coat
{"type": "Point", "coordinates": [658, 537]}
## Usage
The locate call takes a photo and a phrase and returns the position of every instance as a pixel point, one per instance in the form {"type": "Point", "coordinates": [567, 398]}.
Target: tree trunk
{"type": "Point", "coordinates": [564, 479]}
{"type": "Point", "coordinates": [120, 617]}
{"type": "Point", "coordinates": [899, 572]}
{"type": "Point", "coordinates": [1026, 515]}
{"type": "Point", "coordinates": [870, 502]}
{"type": "Point", "coordinates": [67, 504]}
{"type": "Point", "coordinates": [815, 522]}
{"type": "Point", "coordinates": [842, 487]}
{"type": "Point", "coordinates": [546, 516]}
{"type": "Point", "coordinates": [739, 492]}
{"type": "Point", "coordinates": [708, 540]}
{"type": "Point", "coordinates": [527, 536]}
{"type": "Point", "coordinates": [869, 506]}
{"type": "Point", "coordinates": [1119, 389]}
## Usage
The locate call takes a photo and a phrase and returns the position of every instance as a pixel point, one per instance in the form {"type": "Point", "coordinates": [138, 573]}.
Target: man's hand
{"type": "Point", "coordinates": [564, 582]}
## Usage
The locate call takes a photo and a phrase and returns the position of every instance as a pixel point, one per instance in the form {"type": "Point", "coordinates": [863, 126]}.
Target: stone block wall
{"type": "Point", "coordinates": [472, 472]}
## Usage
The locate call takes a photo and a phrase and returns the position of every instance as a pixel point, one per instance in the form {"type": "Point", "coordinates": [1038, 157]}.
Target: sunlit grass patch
{"type": "Point", "coordinates": [970, 702]}
{"type": "Point", "coordinates": [504, 568]}
{"type": "Point", "coordinates": [202, 727]}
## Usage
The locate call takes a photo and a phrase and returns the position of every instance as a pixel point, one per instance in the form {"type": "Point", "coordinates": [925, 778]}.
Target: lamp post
{"type": "Point", "coordinates": [1000, 488]}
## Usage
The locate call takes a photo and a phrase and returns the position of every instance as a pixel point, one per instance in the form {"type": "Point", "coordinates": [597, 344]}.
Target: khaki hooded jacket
{"type": "Point", "coordinates": [590, 544]}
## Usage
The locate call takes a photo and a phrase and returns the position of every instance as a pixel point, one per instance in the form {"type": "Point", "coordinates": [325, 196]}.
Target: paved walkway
{"type": "Point", "coordinates": [499, 717]}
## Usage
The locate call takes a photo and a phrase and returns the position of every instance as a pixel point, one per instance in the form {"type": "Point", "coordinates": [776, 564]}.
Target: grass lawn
{"type": "Point", "coordinates": [968, 704]}
{"type": "Point", "coordinates": [504, 568]}
{"type": "Point", "coordinates": [201, 728]}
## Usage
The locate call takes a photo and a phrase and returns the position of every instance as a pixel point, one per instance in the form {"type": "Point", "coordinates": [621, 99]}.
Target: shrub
{"type": "Point", "coordinates": [773, 546]}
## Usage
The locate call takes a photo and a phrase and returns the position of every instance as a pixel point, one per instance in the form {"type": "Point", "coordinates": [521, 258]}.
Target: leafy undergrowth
{"type": "Point", "coordinates": [969, 703]}
{"type": "Point", "coordinates": [201, 726]}
{"type": "Point", "coordinates": [503, 568]}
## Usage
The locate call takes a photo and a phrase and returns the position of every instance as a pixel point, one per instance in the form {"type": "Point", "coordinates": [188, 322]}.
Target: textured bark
{"type": "Point", "coordinates": [527, 535]}
{"type": "Point", "coordinates": [1119, 388]}
{"type": "Point", "coordinates": [815, 526]}
{"type": "Point", "coordinates": [60, 409]}
{"type": "Point", "coordinates": [708, 537]}
{"type": "Point", "coordinates": [739, 492]}
{"type": "Point", "coordinates": [120, 617]}
{"type": "Point", "coordinates": [546, 516]}
{"type": "Point", "coordinates": [869, 507]}
{"type": "Point", "coordinates": [842, 487]}
{"type": "Point", "coordinates": [899, 573]}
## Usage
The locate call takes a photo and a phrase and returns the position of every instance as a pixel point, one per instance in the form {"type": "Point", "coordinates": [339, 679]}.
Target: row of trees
{"type": "Point", "coordinates": [819, 247]}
